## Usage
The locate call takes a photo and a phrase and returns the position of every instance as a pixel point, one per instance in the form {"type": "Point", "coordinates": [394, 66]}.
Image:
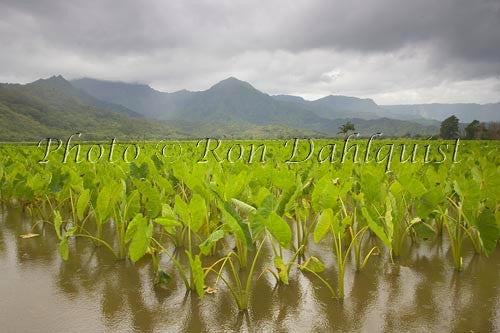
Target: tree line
{"type": "Point", "coordinates": [475, 130]}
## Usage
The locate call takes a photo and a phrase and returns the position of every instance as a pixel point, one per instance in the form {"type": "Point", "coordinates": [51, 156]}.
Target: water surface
{"type": "Point", "coordinates": [94, 292]}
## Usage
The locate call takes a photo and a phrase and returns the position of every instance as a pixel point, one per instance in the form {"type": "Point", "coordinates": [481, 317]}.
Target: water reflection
{"type": "Point", "coordinates": [93, 291]}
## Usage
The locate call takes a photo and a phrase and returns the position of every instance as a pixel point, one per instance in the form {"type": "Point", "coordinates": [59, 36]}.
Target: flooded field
{"type": "Point", "coordinates": [94, 292]}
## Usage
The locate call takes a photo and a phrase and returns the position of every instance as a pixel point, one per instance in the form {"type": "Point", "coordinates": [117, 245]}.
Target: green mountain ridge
{"type": "Point", "coordinates": [232, 101]}
{"type": "Point", "coordinates": [54, 108]}
{"type": "Point", "coordinates": [231, 108]}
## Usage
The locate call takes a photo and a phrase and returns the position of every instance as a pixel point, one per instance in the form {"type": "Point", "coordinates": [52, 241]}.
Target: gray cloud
{"type": "Point", "coordinates": [392, 50]}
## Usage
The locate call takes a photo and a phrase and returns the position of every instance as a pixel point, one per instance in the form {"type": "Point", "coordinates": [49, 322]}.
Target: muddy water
{"type": "Point", "coordinates": [93, 292]}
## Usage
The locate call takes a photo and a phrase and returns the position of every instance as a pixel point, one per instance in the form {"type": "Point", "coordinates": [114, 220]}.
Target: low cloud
{"type": "Point", "coordinates": [395, 51]}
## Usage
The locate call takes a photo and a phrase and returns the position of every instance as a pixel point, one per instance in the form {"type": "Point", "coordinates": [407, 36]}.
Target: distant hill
{"type": "Point", "coordinates": [141, 98]}
{"type": "Point", "coordinates": [233, 103]}
{"type": "Point", "coordinates": [54, 108]}
{"type": "Point", "coordinates": [465, 112]}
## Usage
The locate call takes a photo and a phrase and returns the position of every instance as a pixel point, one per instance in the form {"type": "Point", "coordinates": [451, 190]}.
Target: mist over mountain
{"type": "Point", "coordinates": [465, 112]}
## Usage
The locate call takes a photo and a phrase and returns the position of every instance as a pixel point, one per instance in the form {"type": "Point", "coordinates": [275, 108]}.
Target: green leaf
{"type": "Point", "coordinates": [182, 209]}
{"type": "Point", "coordinates": [243, 206]}
{"type": "Point", "coordinates": [263, 212]}
{"type": "Point", "coordinates": [489, 231]}
{"type": "Point", "coordinates": [140, 241]}
{"type": "Point", "coordinates": [324, 194]}
{"type": "Point", "coordinates": [279, 229]}
{"type": "Point", "coordinates": [211, 240]}
{"type": "Point", "coordinates": [133, 205]}
{"type": "Point", "coordinates": [237, 226]}
{"type": "Point", "coordinates": [103, 207]}
{"type": "Point", "coordinates": [198, 277]}
{"type": "Point", "coordinates": [285, 198]}
{"type": "Point", "coordinates": [58, 223]}
{"type": "Point", "coordinates": [198, 212]}
{"type": "Point", "coordinates": [167, 222]}
{"type": "Point", "coordinates": [137, 172]}
{"type": "Point", "coordinates": [242, 227]}
{"type": "Point", "coordinates": [282, 271]}
{"type": "Point", "coordinates": [139, 232]}
{"type": "Point", "coordinates": [376, 228]}
{"type": "Point", "coordinates": [82, 204]}
{"type": "Point", "coordinates": [162, 278]}
{"type": "Point", "coordinates": [313, 264]}
{"type": "Point", "coordinates": [64, 248]}
{"type": "Point", "coordinates": [132, 227]}
{"type": "Point", "coordinates": [325, 220]}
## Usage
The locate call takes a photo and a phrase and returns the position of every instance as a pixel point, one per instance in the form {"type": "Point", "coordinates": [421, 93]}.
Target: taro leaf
{"type": "Point", "coordinates": [103, 207]}
{"type": "Point", "coordinates": [285, 198]}
{"type": "Point", "coordinates": [416, 188]}
{"type": "Point", "coordinates": [325, 220]}
{"type": "Point", "coordinates": [57, 182]}
{"type": "Point", "coordinates": [233, 219]}
{"type": "Point", "coordinates": [162, 278]}
{"type": "Point", "coordinates": [489, 230]}
{"type": "Point", "coordinates": [140, 232]}
{"type": "Point", "coordinates": [133, 205]}
{"type": "Point", "coordinates": [58, 223]}
{"type": "Point", "coordinates": [235, 185]}
{"type": "Point", "coordinates": [261, 195]}
{"type": "Point", "coordinates": [388, 219]}
{"type": "Point", "coordinates": [164, 185]}
{"type": "Point", "coordinates": [337, 225]}
{"type": "Point", "coordinates": [243, 206]}
{"type": "Point", "coordinates": [211, 240]}
{"type": "Point", "coordinates": [313, 264]}
{"type": "Point", "coordinates": [282, 271]}
{"type": "Point", "coordinates": [324, 195]}
{"type": "Point", "coordinates": [182, 209]}
{"type": "Point", "coordinates": [371, 187]}
{"type": "Point", "coordinates": [82, 204]}
{"type": "Point", "coordinates": [152, 197]}
{"type": "Point", "coordinates": [132, 227]}
{"type": "Point", "coordinates": [263, 212]}
{"type": "Point", "coordinates": [429, 202]}
{"type": "Point", "coordinates": [158, 163]}
{"type": "Point", "coordinates": [64, 248]}
{"type": "Point", "coordinates": [423, 230]}
{"type": "Point", "coordinates": [167, 211]}
{"type": "Point", "coordinates": [197, 274]}
{"type": "Point", "coordinates": [377, 228]}
{"type": "Point", "coordinates": [279, 229]}
{"type": "Point", "coordinates": [236, 224]}
{"type": "Point", "coordinates": [198, 212]}
{"type": "Point", "coordinates": [168, 224]}
{"type": "Point", "coordinates": [139, 172]}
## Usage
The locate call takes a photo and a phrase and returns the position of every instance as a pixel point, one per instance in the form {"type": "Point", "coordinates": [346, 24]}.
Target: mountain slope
{"type": "Point", "coordinates": [233, 104]}
{"type": "Point", "coordinates": [141, 98]}
{"type": "Point", "coordinates": [53, 107]}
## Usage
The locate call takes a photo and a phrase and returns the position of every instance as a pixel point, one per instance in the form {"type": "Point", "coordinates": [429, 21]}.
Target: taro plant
{"type": "Point", "coordinates": [239, 288]}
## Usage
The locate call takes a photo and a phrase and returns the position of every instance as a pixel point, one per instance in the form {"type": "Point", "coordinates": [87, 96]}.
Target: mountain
{"type": "Point", "coordinates": [234, 104]}
{"type": "Point", "coordinates": [336, 106]}
{"type": "Point", "coordinates": [142, 98]}
{"type": "Point", "coordinates": [465, 112]}
{"type": "Point", "coordinates": [54, 108]}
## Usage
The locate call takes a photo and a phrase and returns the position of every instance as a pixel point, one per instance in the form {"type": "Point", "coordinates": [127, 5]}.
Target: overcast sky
{"type": "Point", "coordinates": [394, 51]}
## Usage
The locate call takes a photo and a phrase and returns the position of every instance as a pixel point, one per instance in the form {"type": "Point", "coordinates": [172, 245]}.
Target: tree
{"type": "Point", "coordinates": [344, 129]}
{"type": "Point", "coordinates": [472, 131]}
{"type": "Point", "coordinates": [449, 128]}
